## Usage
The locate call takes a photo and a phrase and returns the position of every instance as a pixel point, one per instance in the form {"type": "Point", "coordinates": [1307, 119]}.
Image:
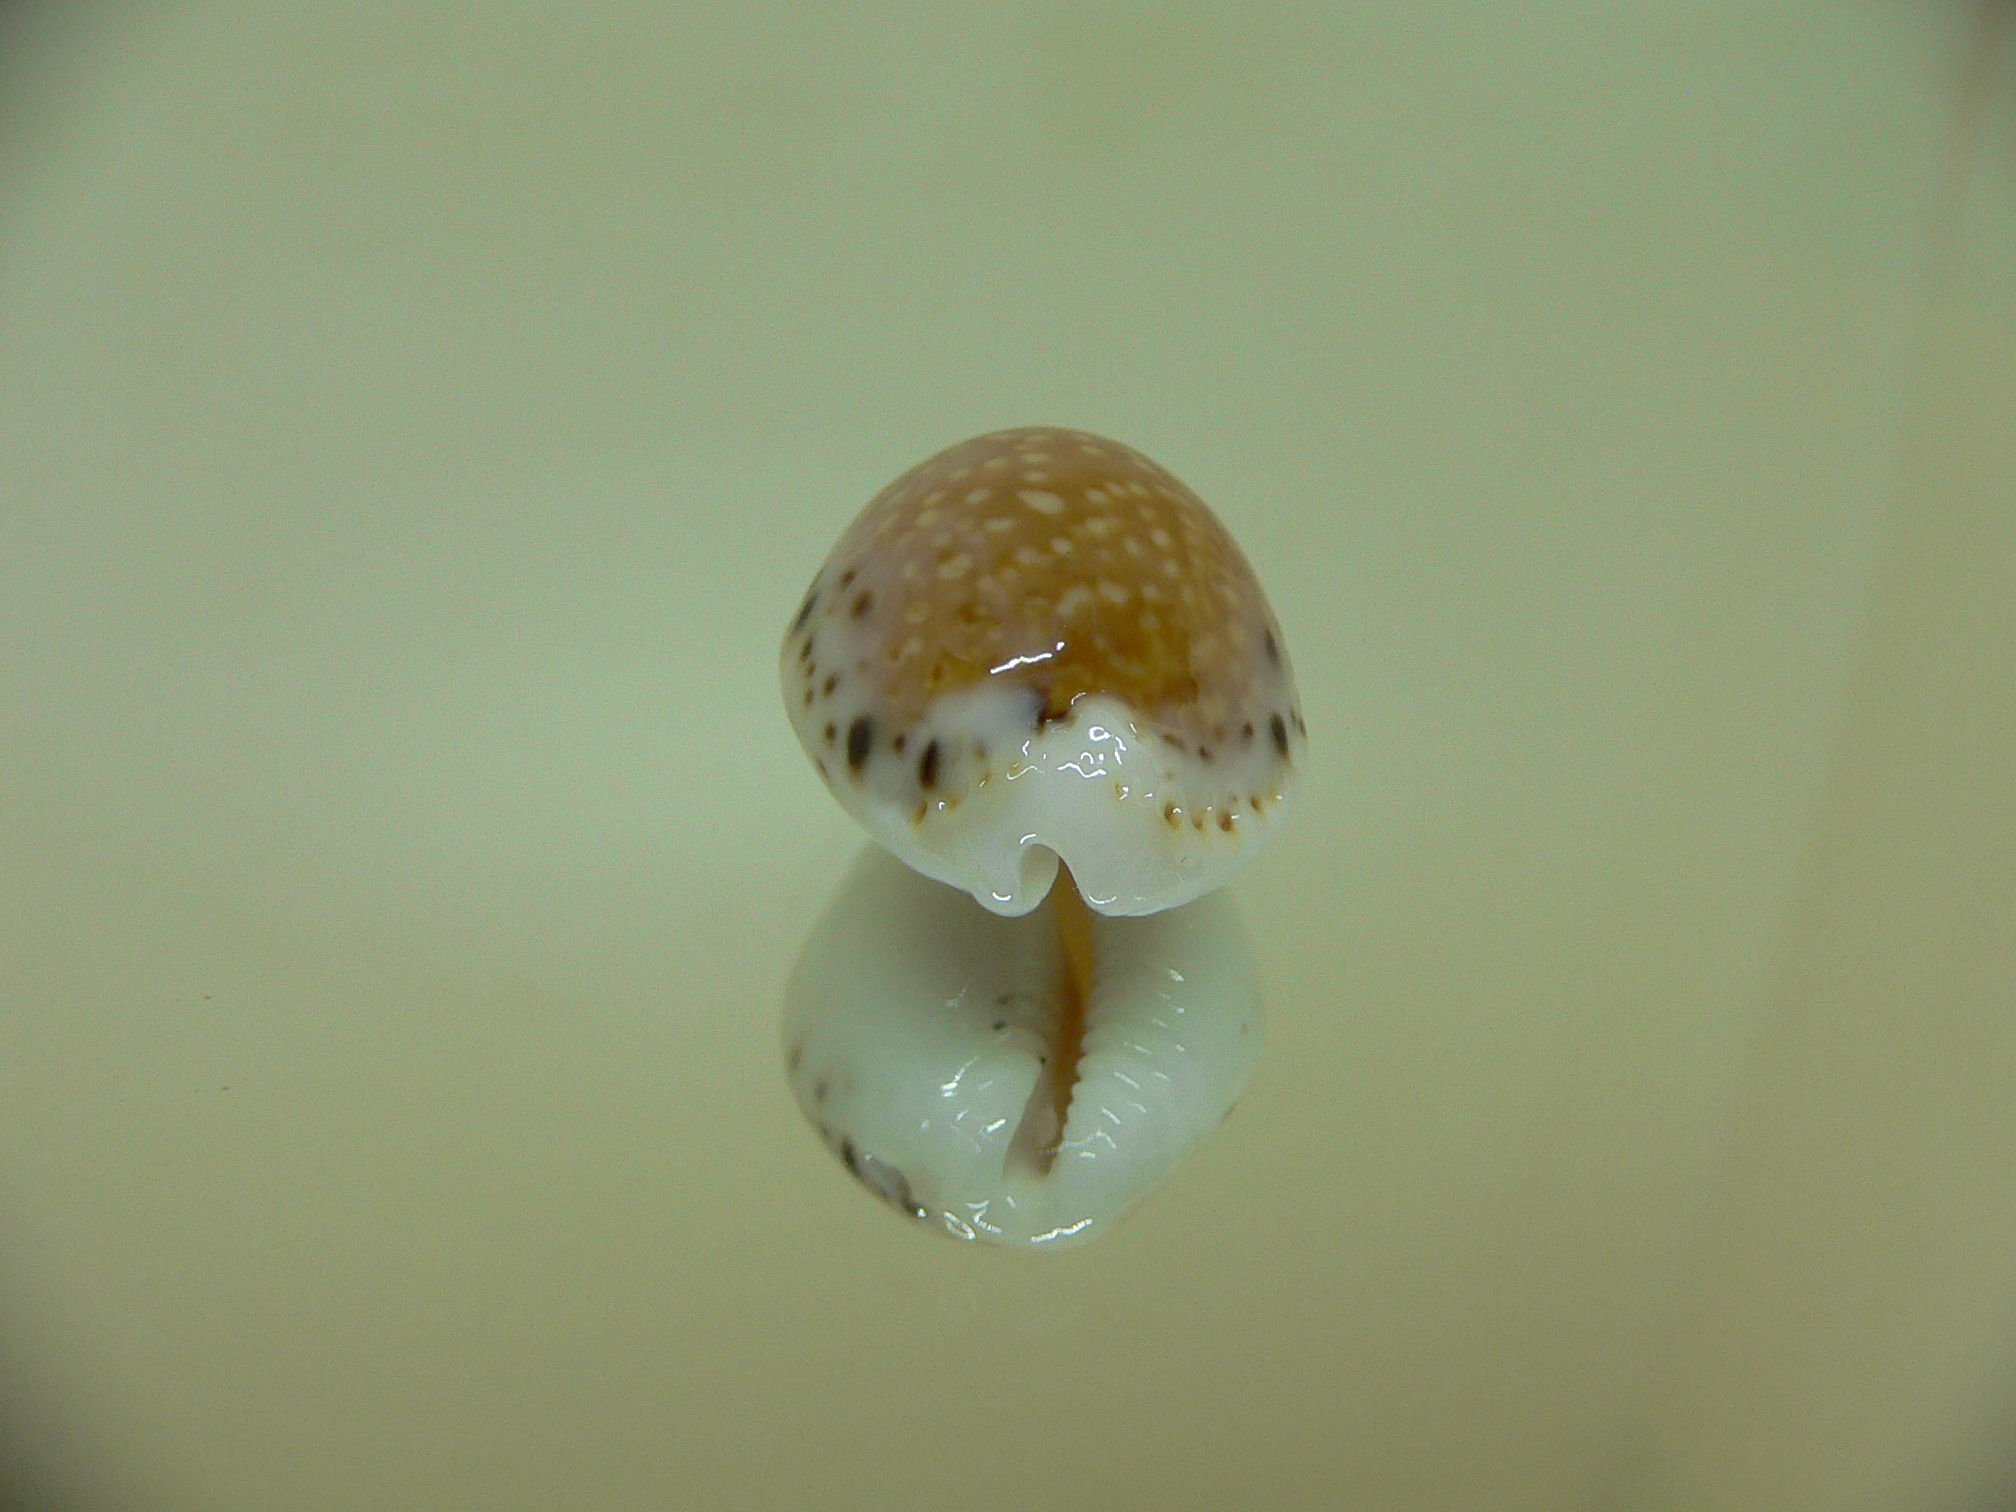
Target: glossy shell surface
{"type": "Point", "coordinates": [1039, 643]}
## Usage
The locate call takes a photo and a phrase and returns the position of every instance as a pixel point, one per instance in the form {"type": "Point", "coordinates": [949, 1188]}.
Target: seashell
{"type": "Point", "coordinates": [985, 704]}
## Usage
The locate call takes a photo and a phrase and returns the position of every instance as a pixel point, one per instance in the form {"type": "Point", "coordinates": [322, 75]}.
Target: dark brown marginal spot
{"type": "Point", "coordinates": [805, 609]}
{"type": "Point", "coordinates": [1053, 706]}
{"type": "Point", "coordinates": [899, 742]}
{"type": "Point", "coordinates": [1246, 730]}
{"type": "Point", "coordinates": [847, 577]}
{"type": "Point", "coordinates": [1280, 733]}
{"type": "Point", "coordinates": [861, 736]}
{"type": "Point", "coordinates": [901, 1197]}
{"type": "Point", "coordinates": [927, 767]}
{"type": "Point", "coordinates": [863, 602]}
{"type": "Point", "coordinates": [832, 680]}
{"type": "Point", "coordinates": [830, 733]}
{"type": "Point", "coordinates": [1273, 650]}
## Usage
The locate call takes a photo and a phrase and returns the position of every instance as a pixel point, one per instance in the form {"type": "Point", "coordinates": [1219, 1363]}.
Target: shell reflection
{"type": "Point", "coordinates": [921, 1033]}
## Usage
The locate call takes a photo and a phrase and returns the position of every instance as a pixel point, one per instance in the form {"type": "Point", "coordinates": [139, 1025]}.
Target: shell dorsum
{"type": "Point", "coordinates": [1038, 644]}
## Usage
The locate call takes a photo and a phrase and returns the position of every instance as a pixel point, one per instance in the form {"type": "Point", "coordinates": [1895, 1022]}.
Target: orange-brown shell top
{"type": "Point", "coordinates": [1060, 561]}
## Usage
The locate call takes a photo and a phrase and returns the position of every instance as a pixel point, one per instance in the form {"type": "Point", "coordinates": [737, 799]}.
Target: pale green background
{"type": "Point", "coordinates": [416, 427]}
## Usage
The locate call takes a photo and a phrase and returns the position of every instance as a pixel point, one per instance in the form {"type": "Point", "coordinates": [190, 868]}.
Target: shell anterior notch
{"type": "Point", "coordinates": [1040, 644]}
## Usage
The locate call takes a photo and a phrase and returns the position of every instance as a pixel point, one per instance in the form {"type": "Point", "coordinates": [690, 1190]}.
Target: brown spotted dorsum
{"type": "Point", "coordinates": [1038, 644]}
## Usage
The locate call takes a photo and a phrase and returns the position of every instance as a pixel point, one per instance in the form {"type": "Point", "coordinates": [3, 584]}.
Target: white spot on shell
{"type": "Point", "coordinates": [1041, 501]}
{"type": "Point", "coordinates": [953, 567]}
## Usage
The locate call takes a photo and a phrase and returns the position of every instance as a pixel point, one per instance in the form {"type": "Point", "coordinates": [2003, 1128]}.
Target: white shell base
{"type": "Point", "coordinates": [1092, 788]}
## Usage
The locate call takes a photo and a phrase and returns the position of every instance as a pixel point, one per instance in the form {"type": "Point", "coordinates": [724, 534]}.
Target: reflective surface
{"type": "Point", "coordinates": [921, 1038]}
{"type": "Point", "coordinates": [414, 431]}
